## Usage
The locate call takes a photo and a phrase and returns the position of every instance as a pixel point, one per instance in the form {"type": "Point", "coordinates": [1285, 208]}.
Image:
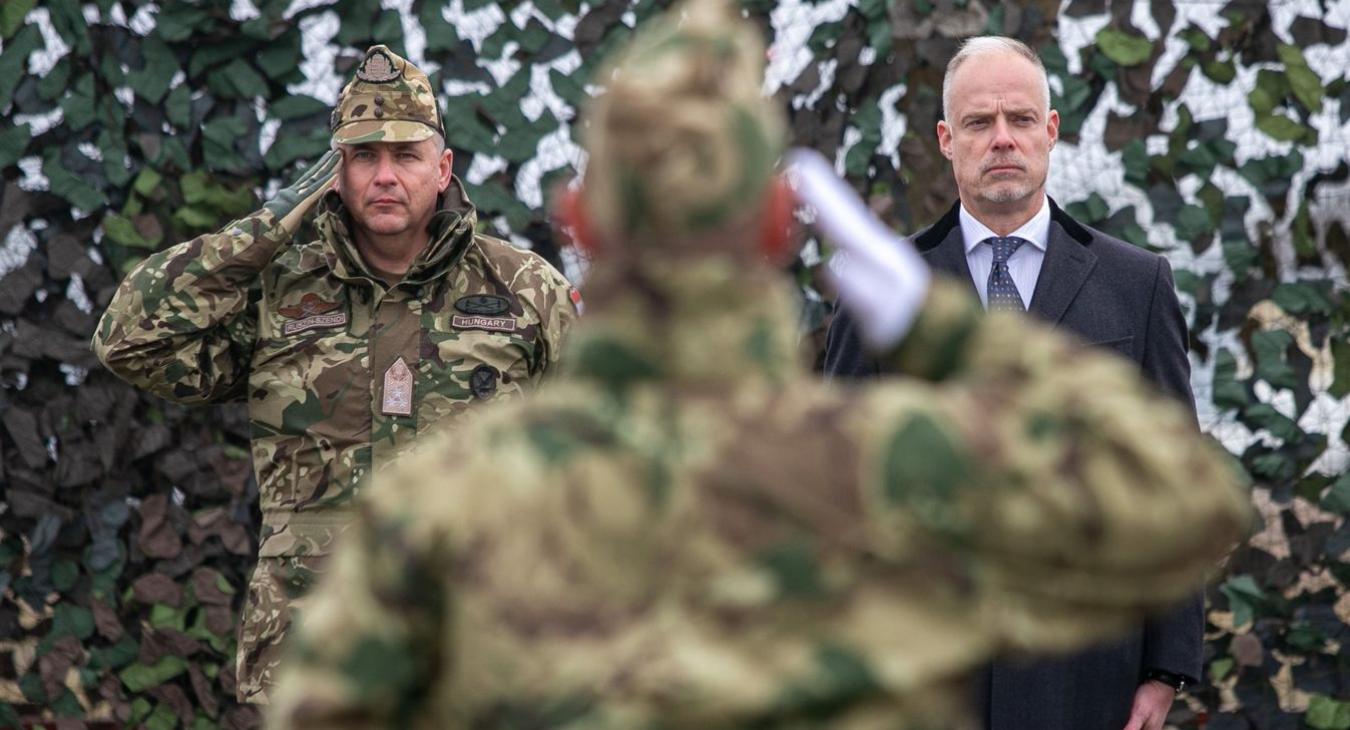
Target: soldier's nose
{"type": "Point", "coordinates": [384, 173]}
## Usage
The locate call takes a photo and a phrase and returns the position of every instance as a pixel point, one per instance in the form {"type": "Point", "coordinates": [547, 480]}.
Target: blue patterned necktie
{"type": "Point", "coordinates": [1002, 295]}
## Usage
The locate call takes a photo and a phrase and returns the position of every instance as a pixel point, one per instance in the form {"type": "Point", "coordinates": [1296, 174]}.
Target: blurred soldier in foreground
{"type": "Point", "coordinates": [348, 347]}
{"type": "Point", "coordinates": [687, 530]}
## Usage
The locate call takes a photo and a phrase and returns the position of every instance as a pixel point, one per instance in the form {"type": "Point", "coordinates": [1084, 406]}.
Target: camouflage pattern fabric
{"type": "Point", "coordinates": [688, 530]}
{"type": "Point", "coordinates": [310, 338]}
{"type": "Point", "coordinates": [389, 100]}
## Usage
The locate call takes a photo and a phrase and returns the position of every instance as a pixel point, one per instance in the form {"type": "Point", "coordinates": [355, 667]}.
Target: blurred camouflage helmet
{"type": "Point", "coordinates": [683, 139]}
{"type": "Point", "coordinates": [389, 100]}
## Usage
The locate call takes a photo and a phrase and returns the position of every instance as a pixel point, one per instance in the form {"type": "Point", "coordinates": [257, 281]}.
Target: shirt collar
{"type": "Point", "coordinates": [1036, 230]}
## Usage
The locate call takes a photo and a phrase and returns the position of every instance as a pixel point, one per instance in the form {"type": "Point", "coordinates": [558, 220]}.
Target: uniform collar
{"type": "Point", "coordinates": [1036, 230]}
{"type": "Point", "coordinates": [703, 319]}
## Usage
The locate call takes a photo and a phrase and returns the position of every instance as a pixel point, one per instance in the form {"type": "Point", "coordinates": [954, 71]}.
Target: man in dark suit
{"type": "Point", "coordinates": [1019, 251]}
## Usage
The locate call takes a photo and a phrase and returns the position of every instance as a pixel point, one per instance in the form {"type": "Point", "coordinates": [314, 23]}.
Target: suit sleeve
{"type": "Point", "coordinates": [1082, 498]}
{"type": "Point", "coordinates": [845, 354]}
{"type": "Point", "coordinates": [182, 323]}
{"type": "Point", "coordinates": [1173, 642]}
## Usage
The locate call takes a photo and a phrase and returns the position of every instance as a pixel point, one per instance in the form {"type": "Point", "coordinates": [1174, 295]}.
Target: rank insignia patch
{"type": "Point", "coordinates": [398, 390]}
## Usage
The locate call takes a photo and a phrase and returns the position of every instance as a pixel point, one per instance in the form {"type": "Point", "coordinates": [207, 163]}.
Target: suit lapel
{"type": "Point", "coordinates": [1066, 266]}
{"type": "Point", "coordinates": [949, 256]}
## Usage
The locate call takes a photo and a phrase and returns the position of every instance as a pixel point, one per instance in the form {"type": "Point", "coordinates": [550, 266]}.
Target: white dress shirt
{"type": "Point", "coordinates": [1025, 263]}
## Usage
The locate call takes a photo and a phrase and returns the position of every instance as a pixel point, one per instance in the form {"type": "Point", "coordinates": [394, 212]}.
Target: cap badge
{"type": "Point", "coordinates": [378, 68]}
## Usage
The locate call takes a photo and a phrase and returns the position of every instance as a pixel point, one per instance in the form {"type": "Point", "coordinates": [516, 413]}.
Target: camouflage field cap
{"type": "Point", "coordinates": [389, 100]}
{"type": "Point", "coordinates": [683, 140]}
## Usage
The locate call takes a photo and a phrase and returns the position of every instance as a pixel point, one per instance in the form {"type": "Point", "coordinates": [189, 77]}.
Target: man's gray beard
{"type": "Point", "coordinates": [1008, 193]}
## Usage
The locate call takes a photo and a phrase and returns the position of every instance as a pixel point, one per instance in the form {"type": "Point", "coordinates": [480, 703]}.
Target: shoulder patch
{"type": "Point", "coordinates": [483, 304]}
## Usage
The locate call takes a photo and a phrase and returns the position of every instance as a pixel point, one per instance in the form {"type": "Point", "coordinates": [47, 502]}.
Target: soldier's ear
{"type": "Point", "coordinates": [570, 222]}
{"type": "Point", "coordinates": [447, 168]}
{"type": "Point", "coordinates": [777, 226]}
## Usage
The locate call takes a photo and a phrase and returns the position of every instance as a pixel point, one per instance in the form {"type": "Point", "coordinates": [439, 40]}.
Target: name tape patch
{"type": "Point", "coordinates": [495, 324]}
{"type": "Point", "coordinates": [315, 322]}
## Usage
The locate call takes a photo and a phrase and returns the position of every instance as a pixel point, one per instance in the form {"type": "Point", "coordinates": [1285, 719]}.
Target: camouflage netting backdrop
{"type": "Point", "coordinates": [1214, 132]}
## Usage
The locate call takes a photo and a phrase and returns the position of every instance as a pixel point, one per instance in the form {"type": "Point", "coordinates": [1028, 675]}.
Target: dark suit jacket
{"type": "Point", "coordinates": [1116, 296]}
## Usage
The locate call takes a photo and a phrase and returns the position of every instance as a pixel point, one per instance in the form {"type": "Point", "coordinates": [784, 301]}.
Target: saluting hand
{"type": "Point", "coordinates": [293, 201]}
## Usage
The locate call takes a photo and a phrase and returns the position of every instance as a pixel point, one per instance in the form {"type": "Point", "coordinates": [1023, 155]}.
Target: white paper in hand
{"type": "Point", "coordinates": [881, 279]}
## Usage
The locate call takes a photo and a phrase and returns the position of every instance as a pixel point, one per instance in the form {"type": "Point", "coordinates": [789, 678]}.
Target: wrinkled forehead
{"type": "Point", "coordinates": [998, 80]}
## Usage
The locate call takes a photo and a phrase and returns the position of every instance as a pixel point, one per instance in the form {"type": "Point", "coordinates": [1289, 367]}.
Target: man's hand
{"type": "Point", "coordinates": [292, 202]}
{"type": "Point", "coordinates": [1152, 701]}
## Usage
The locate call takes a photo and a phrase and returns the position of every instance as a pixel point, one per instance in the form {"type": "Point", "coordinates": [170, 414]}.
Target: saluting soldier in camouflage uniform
{"type": "Point", "coordinates": [688, 530]}
{"type": "Point", "coordinates": [398, 318]}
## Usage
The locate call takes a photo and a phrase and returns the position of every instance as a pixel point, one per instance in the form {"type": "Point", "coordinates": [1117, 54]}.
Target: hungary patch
{"type": "Point", "coordinates": [494, 324]}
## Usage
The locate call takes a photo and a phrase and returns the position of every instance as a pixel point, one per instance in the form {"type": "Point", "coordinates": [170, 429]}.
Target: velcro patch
{"type": "Point", "coordinates": [482, 304]}
{"type": "Point", "coordinates": [483, 381]}
{"type": "Point", "coordinates": [398, 390]}
{"type": "Point", "coordinates": [316, 322]}
{"type": "Point", "coordinates": [496, 324]}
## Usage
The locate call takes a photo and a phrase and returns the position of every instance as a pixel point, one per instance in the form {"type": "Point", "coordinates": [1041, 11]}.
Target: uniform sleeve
{"type": "Point", "coordinates": [180, 325]}
{"type": "Point", "coordinates": [557, 303]}
{"type": "Point", "coordinates": [1080, 498]}
{"type": "Point", "coordinates": [366, 652]}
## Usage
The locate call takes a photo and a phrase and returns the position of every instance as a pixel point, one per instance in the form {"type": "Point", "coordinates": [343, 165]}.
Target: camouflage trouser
{"type": "Point", "coordinates": [276, 592]}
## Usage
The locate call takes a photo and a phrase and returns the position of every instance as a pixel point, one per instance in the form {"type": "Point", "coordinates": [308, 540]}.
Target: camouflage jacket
{"type": "Point", "coordinates": [688, 530]}
{"type": "Point", "coordinates": [308, 336]}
